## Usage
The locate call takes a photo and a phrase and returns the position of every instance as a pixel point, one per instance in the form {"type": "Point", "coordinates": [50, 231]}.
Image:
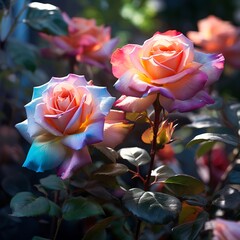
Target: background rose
{"type": "Point", "coordinates": [168, 65]}
{"type": "Point", "coordinates": [218, 36]}
{"type": "Point", "coordinates": [86, 41]}
{"type": "Point", "coordinates": [64, 116]}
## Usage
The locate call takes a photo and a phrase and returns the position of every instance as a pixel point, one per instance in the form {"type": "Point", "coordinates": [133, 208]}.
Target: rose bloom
{"type": "Point", "coordinates": [225, 230]}
{"type": "Point", "coordinates": [86, 41]}
{"type": "Point", "coordinates": [168, 67]}
{"type": "Point", "coordinates": [218, 36]}
{"type": "Point", "coordinates": [64, 116]}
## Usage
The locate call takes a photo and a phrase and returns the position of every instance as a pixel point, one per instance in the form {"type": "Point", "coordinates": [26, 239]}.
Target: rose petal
{"type": "Point", "coordinates": [23, 129]}
{"type": "Point", "coordinates": [92, 134]}
{"type": "Point", "coordinates": [115, 129]}
{"type": "Point", "coordinates": [76, 160]}
{"type": "Point", "coordinates": [212, 65]}
{"type": "Point", "coordinates": [44, 156]}
{"type": "Point", "coordinates": [134, 104]}
{"type": "Point", "coordinates": [102, 96]}
{"type": "Point", "coordinates": [188, 86]}
{"type": "Point", "coordinates": [132, 83]}
{"type": "Point", "coordinates": [199, 100]}
{"type": "Point", "coordinates": [120, 60]}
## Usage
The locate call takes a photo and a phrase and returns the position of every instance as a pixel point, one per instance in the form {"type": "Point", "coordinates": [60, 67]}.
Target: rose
{"type": "Point", "coordinates": [64, 116]}
{"type": "Point", "coordinates": [218, 36]}
{"type": "Point", "coordinates": [167, 66]}
{"type": "Point", "coordinates": [116, 128]}
{"type": "Point", "coordinates": [225, 229]}
{"type": "Point", "coordinates": [86, 41]}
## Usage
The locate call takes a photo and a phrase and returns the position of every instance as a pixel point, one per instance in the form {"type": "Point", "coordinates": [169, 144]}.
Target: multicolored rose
{"type": "Point", "coordinates": [64, 116]}
{"type": "Point", "coordinates": [168, 67]}
{"type": "Point", "coordinates": [85, 41]}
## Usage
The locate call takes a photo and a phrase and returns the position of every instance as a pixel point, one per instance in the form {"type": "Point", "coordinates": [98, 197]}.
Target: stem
{"type": "Point", "coordinates": [157, 110]}
{"type": "Point", "coordinates": [57, 228]}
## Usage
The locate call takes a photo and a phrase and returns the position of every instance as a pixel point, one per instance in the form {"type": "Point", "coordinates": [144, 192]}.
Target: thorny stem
{"type": "Point", "coordinates": [157, 110]}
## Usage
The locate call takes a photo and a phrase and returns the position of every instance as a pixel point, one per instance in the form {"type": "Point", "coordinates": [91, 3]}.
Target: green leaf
{"type": "Point", "coordinates": [214, 137]}
{"type": "Point", "coordinates": [53, 182]}
{"type": "Point", "coordinates": [190, 230]}
{"type": "Point", "coordinates": [182, 185]}
{"type": "Point", "coordinates": [113, 169]}
{"type": "Point", "coordinates": [108, 153]}
{"type": "Point", "coordinates": [98, 230]}
{"type": "Point", "coordinates": [153, 207]}
{"type": "Point", "coordinates": [204, 148]}
{"type": "Point", "coordinates": [205, 123]}
{"type": "Point", "coordinates": [163, 172]}
{"type": "Point", "coordinates": [25, 204]}
{"type": "Point", "coordinates": [23, 54]}
{"type": "Point", "coordinates": [79, 208]}
{"type": "Point", "coordinates": [46, 18]}
{"type": "Point", "coordinates": [136, 156]}
{"type": "Point", "coordinates": [54, 209]}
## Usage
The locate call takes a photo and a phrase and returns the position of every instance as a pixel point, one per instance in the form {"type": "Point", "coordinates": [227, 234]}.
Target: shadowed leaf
{"type": "Point", "coordinates": [153, 207]}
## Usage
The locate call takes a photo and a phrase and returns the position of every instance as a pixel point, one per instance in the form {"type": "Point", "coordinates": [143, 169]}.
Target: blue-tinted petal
{"type": "Point", "coordinates": [44, 156]}
{"type": "Point", "coordinates": [92, 134]}
{"type": "Point", "coordinates": [102, 97]}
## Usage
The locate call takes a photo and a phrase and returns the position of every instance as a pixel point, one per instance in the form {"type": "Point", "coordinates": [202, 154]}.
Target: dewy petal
{"type": "Point", "coordinates": [120, 60]}
{"type": "Point", "coordinates": [44, 156]}
{"type": "Point", "coordinates": [134, 104]}
{"type": "Point", "coordinates": [199, 100]}
{"type": "Point", "coordinates": [212, 65]}
{"type": "Point", "coordinates": [132, 83]}
{"type": "Point", "coordinates": [23, 129]}
{"type": "Point", "coordinates": [92, 134]}
{"type": "Point", "coordinates": [76, 160]}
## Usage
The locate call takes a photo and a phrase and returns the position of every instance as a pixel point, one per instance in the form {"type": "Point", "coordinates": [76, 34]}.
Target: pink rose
{"type": "Point", "coordinates": [86, 41]}
{"type": "Point", "coordinates": [225, 230]}
{"type": "Point", "coordinates": [64, 116]}
{"type": "Point", "coordinates": [167, 66]}
{"type": "Point", "coordinates": [116, 128]}
{"type": "Point", "coordinates": [218, 36]}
